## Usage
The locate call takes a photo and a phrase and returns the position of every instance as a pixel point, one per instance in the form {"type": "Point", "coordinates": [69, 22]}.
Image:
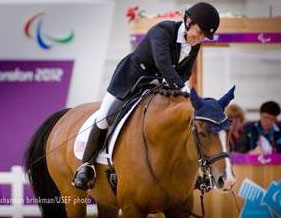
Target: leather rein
{"type": "Point", "coordinates": [205, 183]}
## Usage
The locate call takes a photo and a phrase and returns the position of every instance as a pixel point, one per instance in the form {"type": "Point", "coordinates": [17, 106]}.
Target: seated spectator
{"type": "Point", "coordinates": [236, 114]}
{"type": "Point", "coordinates": [263, 136]}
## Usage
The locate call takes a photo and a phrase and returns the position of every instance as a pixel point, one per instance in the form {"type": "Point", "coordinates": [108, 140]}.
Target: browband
{"type": "Point", "coordinates": [210, 120]}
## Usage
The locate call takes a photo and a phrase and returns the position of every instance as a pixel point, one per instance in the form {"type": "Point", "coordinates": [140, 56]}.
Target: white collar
{"type": "Point", "coordinates": [181, 33]}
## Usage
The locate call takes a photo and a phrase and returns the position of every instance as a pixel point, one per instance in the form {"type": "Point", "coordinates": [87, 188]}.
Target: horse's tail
{"type": "Point", "coordinates": [42, 184]}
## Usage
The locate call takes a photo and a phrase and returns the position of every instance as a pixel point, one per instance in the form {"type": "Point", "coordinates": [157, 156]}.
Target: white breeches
{"type": "Point", "coordinates": [107, 102]}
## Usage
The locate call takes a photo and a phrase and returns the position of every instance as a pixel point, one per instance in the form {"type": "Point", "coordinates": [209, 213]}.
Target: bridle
{"type": "Point", "coordinates": [205, 182]}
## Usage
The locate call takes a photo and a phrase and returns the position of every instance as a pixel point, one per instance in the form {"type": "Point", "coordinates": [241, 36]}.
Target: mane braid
{"type": "Point", "coordinates": [170, 92]}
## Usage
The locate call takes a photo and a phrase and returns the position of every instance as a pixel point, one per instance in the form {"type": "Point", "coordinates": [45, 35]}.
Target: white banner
{"type": "Point", "coordinates": [60, 30]}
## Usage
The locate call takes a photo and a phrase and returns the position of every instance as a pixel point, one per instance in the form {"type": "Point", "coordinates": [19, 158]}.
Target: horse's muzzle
{"type": "Point", "coordinates": [223, 183]}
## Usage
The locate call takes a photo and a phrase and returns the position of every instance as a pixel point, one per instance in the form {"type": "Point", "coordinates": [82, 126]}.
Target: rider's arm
{"type": "Point", "coordinates": [160, 40]}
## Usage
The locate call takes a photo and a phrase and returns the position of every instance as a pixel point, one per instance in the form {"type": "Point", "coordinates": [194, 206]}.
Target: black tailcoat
{"type": "Point", "coordinates": [158, 54]}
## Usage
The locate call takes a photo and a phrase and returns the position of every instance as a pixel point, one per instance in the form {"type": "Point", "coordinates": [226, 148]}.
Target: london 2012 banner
{"type": "Point", "coordinates": [29, 92]}
{"type": "Point", "coordinates": [51, 57]}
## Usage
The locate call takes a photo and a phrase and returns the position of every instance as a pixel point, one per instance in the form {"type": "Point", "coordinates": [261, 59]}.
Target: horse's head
{"type": "Point", "coordinates": [210, 124]}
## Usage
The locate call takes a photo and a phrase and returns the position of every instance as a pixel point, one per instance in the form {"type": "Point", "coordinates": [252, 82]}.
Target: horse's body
{"type": "Point", "coordinates": [155, 160]}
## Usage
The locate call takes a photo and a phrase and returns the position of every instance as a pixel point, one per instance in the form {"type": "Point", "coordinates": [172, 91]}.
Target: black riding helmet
{"type": "Point", "coordinates": [206, 16]}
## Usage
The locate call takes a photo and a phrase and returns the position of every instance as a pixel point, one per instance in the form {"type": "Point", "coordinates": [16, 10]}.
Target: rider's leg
{"type": "Point", "coordinates": [86, 174]}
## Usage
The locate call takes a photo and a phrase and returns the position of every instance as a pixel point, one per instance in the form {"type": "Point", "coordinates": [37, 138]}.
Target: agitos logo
{"type": "Point", "coordinates": [33, 29]}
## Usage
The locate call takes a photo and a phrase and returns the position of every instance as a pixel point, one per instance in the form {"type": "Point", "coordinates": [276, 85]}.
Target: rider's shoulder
{"type": "Point", "coordinates": [166, 24]}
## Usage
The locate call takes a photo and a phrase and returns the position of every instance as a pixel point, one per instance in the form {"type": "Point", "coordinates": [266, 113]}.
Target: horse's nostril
{"type": "Point", "coordinates": [220, 182]}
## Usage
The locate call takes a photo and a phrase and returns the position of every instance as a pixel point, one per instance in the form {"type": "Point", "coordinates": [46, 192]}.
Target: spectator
{"type": "Point", "coordinates": [263, 136]}
{"type": "Point", "coordinates": [236, 114]}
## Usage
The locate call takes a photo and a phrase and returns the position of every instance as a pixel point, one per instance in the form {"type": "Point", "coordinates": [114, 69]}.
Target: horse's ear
{"type": "Point", "coordinates": [224, 100]}
{"type": "Point", "coordinates": [196, 100]}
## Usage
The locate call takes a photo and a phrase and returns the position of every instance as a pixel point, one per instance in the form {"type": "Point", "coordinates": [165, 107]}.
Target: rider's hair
{"type": "Point", "coordinates": [187, 22]}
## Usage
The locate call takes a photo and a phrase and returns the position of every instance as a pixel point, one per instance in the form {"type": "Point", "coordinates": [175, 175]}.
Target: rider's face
{"type": "Point", "coordinates": [194, 35]}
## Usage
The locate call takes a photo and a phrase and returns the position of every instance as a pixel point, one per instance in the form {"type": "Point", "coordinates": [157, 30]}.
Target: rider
{"type": "Point", "coordinates": [169, 50]}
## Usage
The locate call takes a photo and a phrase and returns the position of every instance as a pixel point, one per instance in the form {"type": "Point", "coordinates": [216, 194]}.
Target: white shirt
{"type": "Point", "coordinates": [185, 47]}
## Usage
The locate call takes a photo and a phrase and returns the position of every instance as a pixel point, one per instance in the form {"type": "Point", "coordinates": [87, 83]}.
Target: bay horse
{"type": "Point", "coordinates": [155, 158]}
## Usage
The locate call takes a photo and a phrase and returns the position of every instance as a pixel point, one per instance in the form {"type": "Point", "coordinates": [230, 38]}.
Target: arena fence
{"type": "Point", "coordinates": [16, 199]}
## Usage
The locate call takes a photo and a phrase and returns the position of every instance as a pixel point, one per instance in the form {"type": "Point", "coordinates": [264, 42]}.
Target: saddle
{"type": "Point", "coordinates": [144, 84]}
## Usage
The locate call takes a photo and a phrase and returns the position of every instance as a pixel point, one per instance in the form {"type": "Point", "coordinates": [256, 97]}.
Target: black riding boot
{"type": "Point", "coordinates": [85, 175]}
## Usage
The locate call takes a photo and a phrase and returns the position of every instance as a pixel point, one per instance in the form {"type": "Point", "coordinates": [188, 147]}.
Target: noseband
{"type": "Point", "coordinates": [205, 183]}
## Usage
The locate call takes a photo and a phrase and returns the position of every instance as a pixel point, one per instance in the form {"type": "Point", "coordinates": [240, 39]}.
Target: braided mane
{"type": "Point", "coordinates": [170, 92]}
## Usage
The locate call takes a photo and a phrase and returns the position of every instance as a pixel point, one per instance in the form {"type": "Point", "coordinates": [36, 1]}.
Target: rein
{"type": "Point", "coordinates": [151, 170]}
{"type": "Point", "coordinates": [147, 156]}
{"type": "Point", "coordinates": [204, 160]}
{"type": "Point", "coordinates": [205, 182]}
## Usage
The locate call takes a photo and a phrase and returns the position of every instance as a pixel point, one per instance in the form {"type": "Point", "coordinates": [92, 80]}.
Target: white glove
{"type": "Point", "coordinates": [185, 89]}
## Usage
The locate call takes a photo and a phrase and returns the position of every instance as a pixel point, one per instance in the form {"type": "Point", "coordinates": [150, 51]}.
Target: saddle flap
{"type": "Point", "coordinates": [105, 156]}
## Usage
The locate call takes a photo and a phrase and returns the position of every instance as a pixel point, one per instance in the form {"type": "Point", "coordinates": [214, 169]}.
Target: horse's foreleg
{"type": "Point", "coordinates": [107, 212]}
{"type": "Point", "coordinates": [177, 214]}
{"type": "Point", "coordinates": [181, 210]}
{"type": "Point", "coordinates": [76, 211]}
{"type": "Point", "coordinates": [130, 210]}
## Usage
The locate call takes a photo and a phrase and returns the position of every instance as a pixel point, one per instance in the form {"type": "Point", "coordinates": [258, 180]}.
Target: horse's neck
{"type": "Point", "coordinates": [168, 131]}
